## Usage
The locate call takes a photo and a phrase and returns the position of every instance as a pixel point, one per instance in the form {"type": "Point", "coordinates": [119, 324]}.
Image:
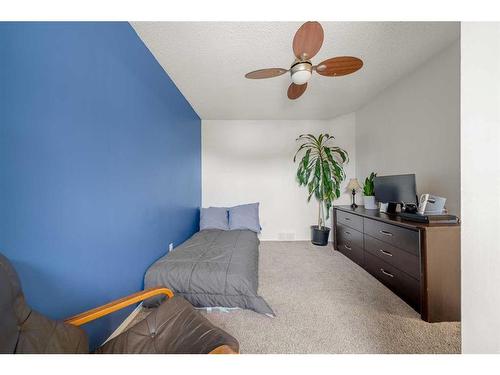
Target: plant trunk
{"type": "Point", "coordinates": [322, 215]}
{"type": "Point", "coordinates": [319, 214]}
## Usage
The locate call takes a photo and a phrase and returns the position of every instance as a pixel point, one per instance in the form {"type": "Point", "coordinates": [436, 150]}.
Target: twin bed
{"type": "Point", "coordinates": [214, 268]}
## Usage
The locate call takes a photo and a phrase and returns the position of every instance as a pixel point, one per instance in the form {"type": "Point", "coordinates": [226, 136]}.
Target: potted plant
{"type": "Point", "coordinates": [321, 169]}
{"type": "Point", "coordinates": [369, 192]}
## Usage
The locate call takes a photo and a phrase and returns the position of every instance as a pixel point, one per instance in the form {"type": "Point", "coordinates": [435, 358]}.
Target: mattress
{"type": "Point", "coordinates": [214, 268]}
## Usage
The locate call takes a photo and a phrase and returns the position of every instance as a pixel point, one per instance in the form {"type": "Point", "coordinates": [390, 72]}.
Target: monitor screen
{"type": "Point", "coordinates": [396, 188]}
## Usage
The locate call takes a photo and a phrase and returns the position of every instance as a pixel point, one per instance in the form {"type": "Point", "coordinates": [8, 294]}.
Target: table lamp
{"type": "Point", "coordinates": [353, 186]}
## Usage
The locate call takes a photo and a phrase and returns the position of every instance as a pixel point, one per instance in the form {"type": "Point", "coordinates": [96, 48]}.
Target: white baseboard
{"type": "Point", "coordinates": [125, 323]}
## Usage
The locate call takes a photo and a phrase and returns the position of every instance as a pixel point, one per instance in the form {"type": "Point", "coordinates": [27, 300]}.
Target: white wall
{"type": "Point", "coordinates": [247, 161]}
{"type": "Point", "coordinates": [480, 158]}
{"type": "Point", "coordinates": [252, 161]}
{"type": "Point", "coordinates": [413, 126]}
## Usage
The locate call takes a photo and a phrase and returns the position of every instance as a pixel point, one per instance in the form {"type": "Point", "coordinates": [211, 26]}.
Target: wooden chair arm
{"type": "Point", "coordinates": [223, 349]}
{"type": "Point", "coordinates": [116, 305]}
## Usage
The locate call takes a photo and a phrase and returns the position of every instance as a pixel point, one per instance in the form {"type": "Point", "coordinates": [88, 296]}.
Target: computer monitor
{"type": "Point", "coordinates": [396, 189]}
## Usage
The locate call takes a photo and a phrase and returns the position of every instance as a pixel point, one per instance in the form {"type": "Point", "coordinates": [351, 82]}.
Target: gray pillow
{"type": "Point", "coordinates": [245, 216]}
{"type": "Point", "coordinates": [214, 218]}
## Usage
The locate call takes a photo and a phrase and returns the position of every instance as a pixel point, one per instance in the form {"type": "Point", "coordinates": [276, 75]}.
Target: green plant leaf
{"type": "Point", "coordinates": [317, 169]}
{"type": "Point", "coordinates": [327, 178]}
{"type": "Point", "coordinates": [369, 186]}
{"type": "Point", "coordinates": [300, 173]}
{"type": "Point", "coordinates": [305, 159]}
{"type": "Point", "coordinates": [303, 146]}
{"type": "Point", "coordinates": [329, 156]}
{"type": "Point", "coordinates": [342, 153]}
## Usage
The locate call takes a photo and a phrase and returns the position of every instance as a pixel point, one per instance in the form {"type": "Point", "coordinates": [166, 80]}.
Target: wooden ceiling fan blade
{"type": "Point", "coordinates": [308, 40]}
{"type": "Point", "coordinates": [295, 91]}
{"type": "Point", "coordinates": [339, 66]}
{"type": "Point", "coordinates": [266, 73]}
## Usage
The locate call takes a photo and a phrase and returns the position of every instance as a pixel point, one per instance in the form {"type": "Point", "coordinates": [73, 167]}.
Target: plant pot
{"type": "Point", "coordinates": [319, 236]}
{"type": "Point", "coordinates": [370, 202]}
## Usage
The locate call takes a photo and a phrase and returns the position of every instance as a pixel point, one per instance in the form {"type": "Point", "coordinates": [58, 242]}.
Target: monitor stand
{"type": "Point", "coordinates": [391, 208]}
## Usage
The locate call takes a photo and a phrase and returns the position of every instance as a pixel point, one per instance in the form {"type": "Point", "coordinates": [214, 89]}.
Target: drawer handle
{"type": "Point", "coordinates": [386, 253]}
{"type": "Point", "coordinates": [348, 219]}
{"type": "Point", "coordinates": [385, 233]}
{"type": "Point", "coordinates": [386, 273]}
{"type": "Point", "coordinates": [347, 232]}
{"type": "Point", "coordinates": [348, 247]}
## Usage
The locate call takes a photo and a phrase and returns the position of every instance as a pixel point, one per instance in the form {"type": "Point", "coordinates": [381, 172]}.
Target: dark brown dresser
{"type": "Point", "coordinates": [418, 262]}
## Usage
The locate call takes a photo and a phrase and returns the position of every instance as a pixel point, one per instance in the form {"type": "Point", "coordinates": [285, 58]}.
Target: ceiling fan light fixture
{"type": "Point", "coordinates": [306, 44]}
{"type": "Point", "coordinates": [301, 72]}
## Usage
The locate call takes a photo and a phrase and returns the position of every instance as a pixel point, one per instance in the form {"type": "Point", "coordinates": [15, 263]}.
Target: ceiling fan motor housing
{"type": "Point", "coordinates": [301, 72]}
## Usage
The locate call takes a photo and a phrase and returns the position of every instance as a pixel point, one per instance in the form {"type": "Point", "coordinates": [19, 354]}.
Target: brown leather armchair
{"type": "Point", "coordinates": [174, 327]}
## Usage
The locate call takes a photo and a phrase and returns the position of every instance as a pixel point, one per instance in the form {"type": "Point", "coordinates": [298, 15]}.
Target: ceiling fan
{"type": "Point", "coordinates": [306, 44]}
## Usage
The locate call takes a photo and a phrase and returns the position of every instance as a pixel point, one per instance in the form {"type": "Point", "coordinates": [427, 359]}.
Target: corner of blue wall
{"type": "Point", "coordinates": [100, 164]}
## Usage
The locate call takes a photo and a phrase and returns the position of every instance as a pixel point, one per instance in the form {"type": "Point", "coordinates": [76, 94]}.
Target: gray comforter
{"type": "Point", "coordinates": [213, 268]}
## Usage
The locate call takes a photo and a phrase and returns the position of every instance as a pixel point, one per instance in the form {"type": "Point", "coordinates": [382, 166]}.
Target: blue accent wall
{"type": "Point", "coordinates": [100, 164]}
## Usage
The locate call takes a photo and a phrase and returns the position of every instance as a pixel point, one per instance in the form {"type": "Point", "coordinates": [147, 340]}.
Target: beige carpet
{"type": "Point", "coordinates": [324, 303]}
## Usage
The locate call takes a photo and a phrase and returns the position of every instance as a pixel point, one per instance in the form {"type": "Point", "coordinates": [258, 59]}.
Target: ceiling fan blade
{"type": "Point", "coordinates": [295, 91]}
{"type": "Point", "coordinates": [266, 73]}
{"type": "Point", "coordinates": [308, 40]}
{"type": "Point", "coordinates": [339, 66]}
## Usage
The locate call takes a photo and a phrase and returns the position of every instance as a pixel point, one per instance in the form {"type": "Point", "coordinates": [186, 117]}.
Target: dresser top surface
{"type": "Point", "coordinates": [390, 219]}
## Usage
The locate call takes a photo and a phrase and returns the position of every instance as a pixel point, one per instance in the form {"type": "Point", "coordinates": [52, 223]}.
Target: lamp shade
{"type": "Point", "coordinates": [353, 184]}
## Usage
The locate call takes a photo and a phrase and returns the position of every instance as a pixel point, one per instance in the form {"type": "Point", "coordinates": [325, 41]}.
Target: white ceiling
{"type": "Point", "coordinates": [208, 61]}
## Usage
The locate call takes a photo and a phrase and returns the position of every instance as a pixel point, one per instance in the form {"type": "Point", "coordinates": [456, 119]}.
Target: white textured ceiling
{"type": "Point", "coordinates": [208, 61]}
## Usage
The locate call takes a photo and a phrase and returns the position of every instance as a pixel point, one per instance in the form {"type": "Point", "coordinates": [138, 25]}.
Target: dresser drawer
{"type": "Point", "coordinates": [396, 257]}
{"type": "Point", "coordinates": [351, 220]}
{"type": "Point", "coordinates": [355, 253]}
{"type": "Point", "coordinates": [403, 285]}
{"type": "Point", "coordinates": [347, 235]}
{"type": "Point", "coordinates": [403, 238]}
